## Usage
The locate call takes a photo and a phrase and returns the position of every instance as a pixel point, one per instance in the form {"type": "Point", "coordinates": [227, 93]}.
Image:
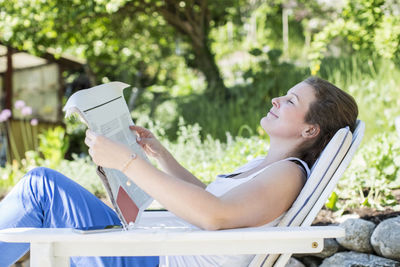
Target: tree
{"type": "Point", "coordinates": [192, 19]}
{"type": "Point", "coordinates": [143, 32]}
{"type": "Point", "coordinates": [369, 26]}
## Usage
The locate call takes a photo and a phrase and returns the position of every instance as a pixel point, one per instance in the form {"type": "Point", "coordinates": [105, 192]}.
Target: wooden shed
{"type": "Point", "coordinates": [39, 83]}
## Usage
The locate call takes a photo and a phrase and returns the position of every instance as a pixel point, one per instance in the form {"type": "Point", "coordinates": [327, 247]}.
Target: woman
{"type": "Point", "coordinates": [299, 124]}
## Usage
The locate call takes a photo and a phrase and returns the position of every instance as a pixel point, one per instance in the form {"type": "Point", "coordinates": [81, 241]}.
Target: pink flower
{"type": "Point", "coordinates": [26, 111]}
{"type": "Point", "coordinates": [2, 118]}
{"type": "Point", "coordinates": [34, 122]}
{"type": "Point", "coordinates": [19, 104]}
{"type": "Point", "coordinates": [5, 115]}
{"type": "Point", "coordinates": [6, 112]}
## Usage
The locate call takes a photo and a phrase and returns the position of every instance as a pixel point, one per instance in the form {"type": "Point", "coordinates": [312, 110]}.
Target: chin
{"type": "Point", "coordinates": [264, 123]}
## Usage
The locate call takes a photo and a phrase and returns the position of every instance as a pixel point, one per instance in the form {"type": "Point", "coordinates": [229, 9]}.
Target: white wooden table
{"type": "Point", "coordinates": [53, 247]}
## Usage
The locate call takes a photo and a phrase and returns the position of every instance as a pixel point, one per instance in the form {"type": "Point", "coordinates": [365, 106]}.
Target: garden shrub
{"type": "Point", "coordinates": [372, 175]}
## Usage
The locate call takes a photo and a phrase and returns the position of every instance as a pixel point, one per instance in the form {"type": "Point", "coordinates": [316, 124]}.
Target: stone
{"type": "Point", "coordinates": [386, 238]}
{"type": "Point", "coordinates": [294, 263]}
{"type": "Point", "coordinates": [331, 246]}
{"type": "Point", "coordinates": [358, 235]}
{"type": "Point", "coordinates": [352, 259]}
{"type": "Point", "coordinates": [311, 261]}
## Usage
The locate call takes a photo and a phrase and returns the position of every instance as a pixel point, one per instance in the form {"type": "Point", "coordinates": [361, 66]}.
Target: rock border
{"type": "Point", "coordinates": [366, 244]}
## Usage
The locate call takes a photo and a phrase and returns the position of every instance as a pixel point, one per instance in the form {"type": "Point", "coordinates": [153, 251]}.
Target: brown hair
{"type": "Point", "coordinates": [333, 109]}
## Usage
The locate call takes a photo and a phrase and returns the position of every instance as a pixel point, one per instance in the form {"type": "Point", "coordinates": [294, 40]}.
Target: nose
{"type": "Point", "coordinates": [275, 102]}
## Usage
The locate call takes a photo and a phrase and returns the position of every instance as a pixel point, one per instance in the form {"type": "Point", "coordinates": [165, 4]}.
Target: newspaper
{"type": "Point", "coordinates": [104, 110]}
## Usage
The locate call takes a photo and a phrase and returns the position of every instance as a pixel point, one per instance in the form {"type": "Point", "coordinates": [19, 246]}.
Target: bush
{"type": "Point", "coordinates": [246, 102]}
{"type": "Point", "coordinates": [83, 171]}
{"type": "Point", "coordinates": [374, 83]}
{"type": "Point", "coordinates": [372, 175]}
{"type": "Point", "coordinates": [207, 157]}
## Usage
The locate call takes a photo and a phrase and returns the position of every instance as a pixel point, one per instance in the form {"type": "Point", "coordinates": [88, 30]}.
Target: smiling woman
{"type": "Point", "coordinates": [287, 115]}
{"type": "Point", "coordinates": [257, 194]}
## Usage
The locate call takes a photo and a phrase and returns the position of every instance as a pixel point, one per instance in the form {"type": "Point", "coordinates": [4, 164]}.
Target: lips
{"type": "Point", "coordinates": [273, 114]}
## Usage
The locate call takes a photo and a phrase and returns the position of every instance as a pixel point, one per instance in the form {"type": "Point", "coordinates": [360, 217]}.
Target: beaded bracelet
{"type": "Point", "coordinates": [132, 157]}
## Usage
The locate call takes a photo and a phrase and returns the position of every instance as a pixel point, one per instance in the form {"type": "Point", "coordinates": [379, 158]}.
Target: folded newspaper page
{"type": "Point", "coordinates": [103, 109]}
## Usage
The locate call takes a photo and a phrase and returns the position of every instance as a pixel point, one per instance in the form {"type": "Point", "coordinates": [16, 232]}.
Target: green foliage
{"type": "Point", "coordinates": [9, 176]}
{"type": "Point", "coordinates": [375, 85]}
{"type": "Point", "coordinates": [83, 171]}
{"type": "Point", "coordinates": [53, 145]}
{"type": "Point", "coordinates": [373, 174]}
{"type": "Point", "coordinates": [130, 40]}
{"type": "Point", "coordinates": [214, 117]}
{"type": "Point", "coordinates": [332, 200]}
{"type": "Point", "coordinates": [80, 169]}
{"type": "Point", "coordinates": [369, 26]}
{"type": "Point", "coordinates": [247, 102]}
{"type": "Point", "coordinates": [272, 75]}
{"type": "Point", "coordinates": [207, 157]}
{"type": "Point", "coordinates": [373, 82]}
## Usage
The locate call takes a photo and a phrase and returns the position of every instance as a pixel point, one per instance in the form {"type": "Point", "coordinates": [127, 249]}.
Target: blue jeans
{"type": "Point", "coordinates": [46, 198]}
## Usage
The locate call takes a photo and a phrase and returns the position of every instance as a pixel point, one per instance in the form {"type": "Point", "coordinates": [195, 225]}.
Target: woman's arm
{"type": "Point", "coordinates": [167, 162]}
{"type": "Point", "coordinates": [253, 203]}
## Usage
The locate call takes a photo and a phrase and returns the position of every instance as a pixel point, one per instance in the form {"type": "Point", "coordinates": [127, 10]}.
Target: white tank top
{"type": "Point", "coordinates": [219, 187]}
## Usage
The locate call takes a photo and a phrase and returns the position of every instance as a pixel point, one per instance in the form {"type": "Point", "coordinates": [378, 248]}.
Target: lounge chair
{"type": "Point", "coordinates": [53, 247]}
{"type": "Point", "coordinates": [325, 174]}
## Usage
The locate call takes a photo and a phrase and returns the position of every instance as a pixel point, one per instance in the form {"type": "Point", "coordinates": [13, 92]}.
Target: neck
{"type": "Point", "coordinates": [281, 150]}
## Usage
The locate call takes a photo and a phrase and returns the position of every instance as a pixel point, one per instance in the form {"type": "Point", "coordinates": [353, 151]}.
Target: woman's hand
{"type": "Point", "coordinates": [105, 152]}
{"type": "Point", "coordinates": [146, 139]}
{"type": "Point", "coordinates": [166, 161]}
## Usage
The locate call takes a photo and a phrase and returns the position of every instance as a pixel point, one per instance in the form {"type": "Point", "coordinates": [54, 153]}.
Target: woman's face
{"type": "Point", "coordinates": [286, 117]}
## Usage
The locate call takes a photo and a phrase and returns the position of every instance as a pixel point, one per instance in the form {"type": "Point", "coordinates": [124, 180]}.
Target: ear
{"type": "Point", "coordinates": [311, 131]}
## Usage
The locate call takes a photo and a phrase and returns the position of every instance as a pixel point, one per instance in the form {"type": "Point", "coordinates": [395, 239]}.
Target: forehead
{"type": "Point", "coordinates": [304, 91]}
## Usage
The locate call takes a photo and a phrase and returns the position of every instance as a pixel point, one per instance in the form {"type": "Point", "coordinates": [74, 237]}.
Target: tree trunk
{"type": "Point", "coordinates": [205, 62]}
{"type": "Point", "coordinates": [195, 25]}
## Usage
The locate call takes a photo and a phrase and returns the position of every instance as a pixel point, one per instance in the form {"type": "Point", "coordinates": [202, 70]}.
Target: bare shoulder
{"type": "Point", "coordinates": [284, 170]}
{"type": "Point", "coordinates": [266, 196]}
{"type": "Point", "coordinates": [282, 176]}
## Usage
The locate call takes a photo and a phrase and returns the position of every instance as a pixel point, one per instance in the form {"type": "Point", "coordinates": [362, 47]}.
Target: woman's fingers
{"type": "Point", "coordinates": [141, 131]}
{"type": "Point", "coordinates": [143, 141]}
{"type": "Point", "coordinates": [90, 137]}
{"type": "Point", "coordinates": [138, 129]}
{"type": "Point", "coordinates": [150, 148]}
{"type": "Point", "coordinates": [91, 134]}
{"type": "Point", "coordinates": [87, 141]}
{"type": "Point", "coordinates": [90, 151]}
{"type": "Point", "coordinates": [143, 135]}
{"type": "Point", "coordinates": [135, 127]}
{"type": "Point", "coordinates": [146, 140]}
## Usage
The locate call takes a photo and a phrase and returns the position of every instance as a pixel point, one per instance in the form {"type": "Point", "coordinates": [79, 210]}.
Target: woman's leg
{"type": "Point", "coordinates": [46, 198]}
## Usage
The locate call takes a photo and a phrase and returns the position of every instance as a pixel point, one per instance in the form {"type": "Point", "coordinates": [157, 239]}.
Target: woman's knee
{"type": "Point", "coordinates": [42, 174]}
{"type": "Point", "coordinates": [45, 181]}
{"type": "Point", "coordinates": [39, 171]}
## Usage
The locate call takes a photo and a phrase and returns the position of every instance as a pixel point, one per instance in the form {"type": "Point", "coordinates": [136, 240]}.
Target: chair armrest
{"type": "Point", "coordinates": [178, 241]}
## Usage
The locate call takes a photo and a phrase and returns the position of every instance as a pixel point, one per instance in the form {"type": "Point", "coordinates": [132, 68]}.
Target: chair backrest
{"type": "Point", "coordinates": [324, 176]}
